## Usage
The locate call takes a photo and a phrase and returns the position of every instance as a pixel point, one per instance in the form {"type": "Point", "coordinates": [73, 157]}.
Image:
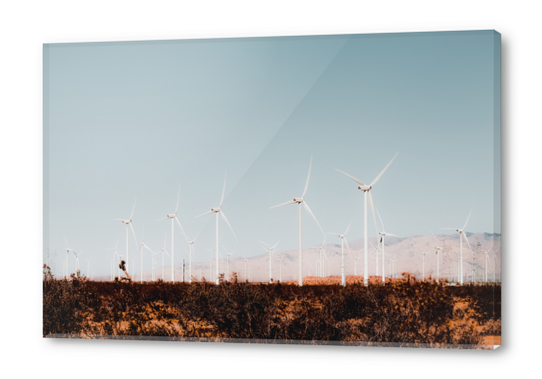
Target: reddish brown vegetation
{"type": "Point", "coordinates": [400, 312]}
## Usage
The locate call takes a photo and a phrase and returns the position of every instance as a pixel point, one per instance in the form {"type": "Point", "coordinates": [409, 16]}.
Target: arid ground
{"type": "Point", "coordinates": [400, 313]}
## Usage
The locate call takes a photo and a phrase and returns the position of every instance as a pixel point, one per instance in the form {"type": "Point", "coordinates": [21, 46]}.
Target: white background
{"type": "Point", "coordinates": [26, 25]}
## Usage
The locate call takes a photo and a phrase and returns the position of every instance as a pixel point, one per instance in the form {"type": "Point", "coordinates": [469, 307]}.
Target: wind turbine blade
{"type": "Point", "coordinates": [449, 228]}
{"type": "Point", "coordinates": [225, 219]}
{"type": "Point", "coordinates": [133, 233]}
{"type": "Point", "coordinates": [312, 214]}
{"type": "Point", "coordinates": [308, 176]}
{"type": "Point", "coordinates": [334, 233]}
{"type": "Point", "coordinates": [117, 219]}
{"type": "Point", "coordinates": [223, 191]}
{"type": "Point", "coordinates": [466, 239]}
{"type": "Point", "coordinates": [380, 218]}
{"type": "Point", "coordinates": [67, 245]}
{"type": "Point", "coordinates": [466, 222]}
{"type": "Point", "coordinates": [264, 243]}
{"type": "Point", "coordinates": [351, 177]}
{"type": "Point", "coordinates": [392, 235]}
{"type": "Point", "coordinates": [206, 213]}
{"type": "Point", "coordinates": [348, 247]}
{"type": "Point", "coordinates": [372, 210]}
{"type": "Point", "coordinates": [117, 243]}
{"type": "Point", "coordinates": [280, 205]}
{"type": "Point", "coordinates": [275, 245]}
{"type": "Point", "coordinates": [347, 229]}
{"type": "Point", "coordinates": [148, 248]}
{"type": "Point", "coordinates": [178, 199]}
{"type": "Point", "coordinates": [385, 168]}
{"type": "Point", "coordinates": [194, 240]}
{"type": "Point", "coordinates": [133, 209]}
{"type": "Point", "coordinates": [160, 219]}
{"type": "Point", "coordinates": [165, 235]}
{"type": "Point", "coordinates": [180, 226]}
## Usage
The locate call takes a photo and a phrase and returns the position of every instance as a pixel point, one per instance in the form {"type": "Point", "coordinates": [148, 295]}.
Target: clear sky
{"type": "Point", "coordinates": [143, 118]}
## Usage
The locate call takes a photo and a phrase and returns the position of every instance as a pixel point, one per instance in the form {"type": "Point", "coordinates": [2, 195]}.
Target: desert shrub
{"type": "Point", "coordinates": [399, 312]}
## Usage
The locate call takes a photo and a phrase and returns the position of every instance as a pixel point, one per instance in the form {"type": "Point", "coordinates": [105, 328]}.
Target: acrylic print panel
{"type": "Point", "coordinates": [338, 190]}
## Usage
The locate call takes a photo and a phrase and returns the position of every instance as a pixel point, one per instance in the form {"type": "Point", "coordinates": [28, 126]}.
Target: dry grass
{"type": "Point", "coordinates": [400, 312]}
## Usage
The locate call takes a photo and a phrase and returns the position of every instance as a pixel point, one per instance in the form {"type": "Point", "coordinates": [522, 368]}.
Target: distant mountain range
{"type": "Point", "coordinates": [407, 254]}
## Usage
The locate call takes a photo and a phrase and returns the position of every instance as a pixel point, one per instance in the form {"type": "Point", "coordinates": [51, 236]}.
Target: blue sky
{"type": "Point", "coordinates": [141, 118]}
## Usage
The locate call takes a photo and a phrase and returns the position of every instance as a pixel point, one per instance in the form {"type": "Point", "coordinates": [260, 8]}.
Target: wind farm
{"type": "Point", "coordinates": [259, 183]}
{"type": "Point", "coordinates": [397, 267]}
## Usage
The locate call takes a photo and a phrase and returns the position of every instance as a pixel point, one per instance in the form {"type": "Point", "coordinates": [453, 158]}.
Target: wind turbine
{"type": "Point", "coordinates": [383, 241]}
{"type": "Point", "coordinates": [191, 251]}
{"type": "Point", "coordinates": [343, 241]}
{"type": "Point", "coordinates": [461, 236]}
{"type": "Point", "coordinates": [128, 224]}
{"type": "Point", "coordinates": [437, 252]}
{"type": "Point", "coordinates": [77, 268]}
{"type": "Point", "coordinates": [163, 250]}
{"type": "Point", "coordinates": [301, 200]}
{"type": "Point", "coordinates": [280, 268]}
{"type": "Point", "coordinates": [367, 196]}
{"type": "Point", "coordinates": [246, 260]}
{"type": "Point", "coordinates": [323, 256]}
{"type": "Point", "coordinates": [270, 249]}
{"type": "Point", "coordinates": [227, 261]}
{"type": "Point", "coordinates": [68, 257]}
{"type": "Point", "coordinates": [217, 211]}
{"type": "Point", "coordinates": [486, 258]}
{"type": "Point", "coordinates": [495, 265]}
{"type": "Point", "coordinates": [173, 217]}
{"type": "Point", "coordinates": [114, 250]}
{"type": "Point", "coordinates": [423, 266]}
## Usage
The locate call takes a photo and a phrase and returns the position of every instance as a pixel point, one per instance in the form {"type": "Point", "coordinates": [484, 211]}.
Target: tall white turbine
{"type": "Point", "coordinates": [163, 251]}
{"type": "Point", "coordinates": [383, 235]}
{"type": "Point", "coordinates": [281, 263]}
{"type": "Point", "coordinates": [323, 257]}
{"type": "Point", "coordinates": [190, 253]}
{"type": "Point", "coordinates": [128, 224]}
{"type": "Point", "coordinates": [270, 250]}
{"type": "Point", "coordinates": [173, 217]}
{"type": "Point", "coordinates": [343, 241]}
{"type": "Point", "coordinates": [77, 255]}
{"type": "Point", "coordinates": [486, 258]}
{"type": "Point", "coordinates": [367, 196]}
{"type": "Point", "coordinates": [67, 258]}
{"type": "Point", "coordinates": [301, 200]}
{"type": "Point", "coordinates": [461, 236]}
{"type": "Point", "coordinates": [221, 212]}
{"type": "Point", "coordinates": [423, 266]}
{"type": "Point", "coordinates": [437, 248]}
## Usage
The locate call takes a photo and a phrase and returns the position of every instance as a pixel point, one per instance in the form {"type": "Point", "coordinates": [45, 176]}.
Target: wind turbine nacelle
{"type": "Point", "coordinates": [215, 210]}
{"type": "Point", "coordinates": [126, 221]}
{"type": "Point", "coordinates": [170, 216]}
{"type": "Point", "coordinates": [298, 199]}
{"type": "Point", "coordinates": [364, 188]}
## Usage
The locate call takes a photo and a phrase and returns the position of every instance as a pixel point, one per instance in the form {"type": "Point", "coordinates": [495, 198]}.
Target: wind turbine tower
{"type": "Point", "coordinates": [173, 217]}
{"type": "Point", "coordinates": [221, 212]}
{"type": "Point", "coordinates": [367, 197]}
{"type": "Point", "coordinates": [343, 241]}
{"type": "Point", "coordinates": [299, 201]}
{"type": "Point", "coordinates": [128, 224]}
{"type": "Point", "coordinates": [461, 236]}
